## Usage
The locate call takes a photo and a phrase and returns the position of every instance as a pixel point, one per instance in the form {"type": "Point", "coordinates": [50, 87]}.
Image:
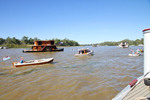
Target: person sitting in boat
{"type": "Point", "coordinates": [141, 50]}
{"type": "Point", "coordinates": [138, 51]}
{"type": "Point", "coordinates": [5, 57]}
{"type": "Point", "coordinates": [21, 60]}
{"type": "Point", "coordinates": [132, 51]}
{"type": "Point", "coordinates": [80, 52]}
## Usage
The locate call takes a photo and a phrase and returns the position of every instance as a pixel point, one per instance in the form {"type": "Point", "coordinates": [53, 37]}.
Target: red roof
{"type": "Point", "coordinates": [146, 29]}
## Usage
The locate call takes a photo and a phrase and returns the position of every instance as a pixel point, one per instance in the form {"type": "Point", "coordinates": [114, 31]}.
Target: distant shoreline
{"type": "Point", "coordinates": [29, 46]}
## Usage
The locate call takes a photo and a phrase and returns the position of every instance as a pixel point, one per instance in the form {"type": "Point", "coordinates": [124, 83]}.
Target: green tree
{"type": "Point", "coordinates": [25, 40]}
{"type": "Point", "coordinates": [31, 41]}
{"type": "Point", "coordinates": [142, 41]}
{"type": "Point", "coordinates": [8, 40]}
{"type": "Point", "coordinates": [36, 39]}
{"type": "Point", "coordinates": [15, 41]}
{"type": "Point", "coordinates": [57, 41]}
{"type": "Point", "coordinates": [2, 41]}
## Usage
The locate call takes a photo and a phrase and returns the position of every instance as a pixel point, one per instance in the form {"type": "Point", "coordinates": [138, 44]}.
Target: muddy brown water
{"type": "Point", "coordinates": [97, 77]}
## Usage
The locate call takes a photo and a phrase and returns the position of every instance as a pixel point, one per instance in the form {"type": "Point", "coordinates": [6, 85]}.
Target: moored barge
{"type": "Point", "coordinates": [44, 46]}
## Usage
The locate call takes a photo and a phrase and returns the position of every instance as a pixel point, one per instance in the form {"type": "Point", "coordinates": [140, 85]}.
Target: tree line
{"type": "Point", "coordinates": [130, 42]}
{"type": "Point", "coordinates": [65, 42]}
{"type": "Point", "coordinates": [13, 42]}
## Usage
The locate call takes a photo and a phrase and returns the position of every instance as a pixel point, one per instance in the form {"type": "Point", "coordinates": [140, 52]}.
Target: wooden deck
{"type": "Point", "coordinates": [139, 92]}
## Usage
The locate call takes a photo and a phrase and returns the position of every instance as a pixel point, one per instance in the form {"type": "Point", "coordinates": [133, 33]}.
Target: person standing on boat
{"type": "Point", "coordinates": [139, 52]}
{"type": "Point", "coordinates": [21, 60]}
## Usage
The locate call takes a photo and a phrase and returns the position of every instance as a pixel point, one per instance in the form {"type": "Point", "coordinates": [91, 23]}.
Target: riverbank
{"type": "Point", "coordinates": [16, 46]}
{"type": "Point", "coordinates": [27, 46]}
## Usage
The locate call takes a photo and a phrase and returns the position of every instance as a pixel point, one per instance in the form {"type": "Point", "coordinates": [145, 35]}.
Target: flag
{"type": "Point", "coordinates": [61, 42]}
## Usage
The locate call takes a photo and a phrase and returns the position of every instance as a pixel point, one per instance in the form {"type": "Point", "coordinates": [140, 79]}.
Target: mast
{"type": "Point", "coordinates": [146, 33]}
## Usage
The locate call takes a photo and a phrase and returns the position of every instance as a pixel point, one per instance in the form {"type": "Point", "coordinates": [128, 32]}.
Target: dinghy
{"type": "Point", "coordinates": [6, 58]}
{"type": "Point", "coordinates": [134, 54]}
{"type": "Point", "coordinates": [33, 62]}
{"type": "Point", "coordinates": [123, 45]}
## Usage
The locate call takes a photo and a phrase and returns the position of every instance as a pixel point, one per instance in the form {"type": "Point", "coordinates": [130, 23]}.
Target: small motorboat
{"type": "Point", "coordinates": [123, 45]}
{"type": "Point", "coordinates": [3, 47]}
{"type": "Point", "coordinates": [136, 54]}
{"type": "Point", "coordinates": [84, 52]}
{"type": "Point", "coordinates": [6, 58]}
{"type": "Point", "coordinates": [33, 62]}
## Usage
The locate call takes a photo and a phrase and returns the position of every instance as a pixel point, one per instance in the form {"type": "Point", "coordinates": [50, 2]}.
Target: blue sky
{"type": "Point", "coordinates": [85, 21]}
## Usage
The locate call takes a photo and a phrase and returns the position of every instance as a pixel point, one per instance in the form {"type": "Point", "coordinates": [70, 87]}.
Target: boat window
{"type": "Point", "coordinates": [87, 51]}
{"type": "Point", "coordinates": [52, 42]}
{"type": "Point", "coordinates": [40, 43]}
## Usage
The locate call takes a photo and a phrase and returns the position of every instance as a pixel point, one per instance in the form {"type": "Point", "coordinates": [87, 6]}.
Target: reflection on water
{"type": "Point", "coordinates": [100, 76]}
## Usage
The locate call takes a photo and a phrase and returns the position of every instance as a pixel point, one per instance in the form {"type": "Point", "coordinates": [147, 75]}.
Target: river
{"type": "Point", "coordinates": [97, 77]}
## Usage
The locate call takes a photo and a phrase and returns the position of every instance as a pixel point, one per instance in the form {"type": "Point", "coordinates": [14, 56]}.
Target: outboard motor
{"type": "Point", "coordinates": [147, 81]}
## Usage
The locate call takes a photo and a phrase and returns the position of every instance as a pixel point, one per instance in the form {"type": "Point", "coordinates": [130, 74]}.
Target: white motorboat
{"type": "Point", "coordinates": [124, 45]}
{"type": "Point", "coordinates": [84, 52]}
{"type": "Point", "coordinates": [136, 54]}
{"type": "Point", "coordinates": [6, 58]}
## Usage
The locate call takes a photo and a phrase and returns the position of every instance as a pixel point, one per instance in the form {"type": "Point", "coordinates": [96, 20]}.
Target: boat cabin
{"type": "Point", "coordinates": [83, 51]}
{"type": "Point", "coordinates": [38, 43]}
{"type": "Point", "coordinates": [124, 45]}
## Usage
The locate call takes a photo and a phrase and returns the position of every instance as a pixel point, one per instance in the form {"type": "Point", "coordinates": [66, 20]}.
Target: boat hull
{"type": "Point", "coordinates": [33, 62]}
{"type": "Point", "coordinates": [6, 58]}
{"type": "Point", "coordinates": [31, 51]}
{"type": "Point", "coordinates": [87, 54]}
{"type": "Point", "coordinates": [134, 55]}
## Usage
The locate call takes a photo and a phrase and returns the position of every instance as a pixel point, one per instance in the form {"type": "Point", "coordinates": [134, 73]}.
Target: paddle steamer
{"type": "Point", "coordinates": [44, 46]}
